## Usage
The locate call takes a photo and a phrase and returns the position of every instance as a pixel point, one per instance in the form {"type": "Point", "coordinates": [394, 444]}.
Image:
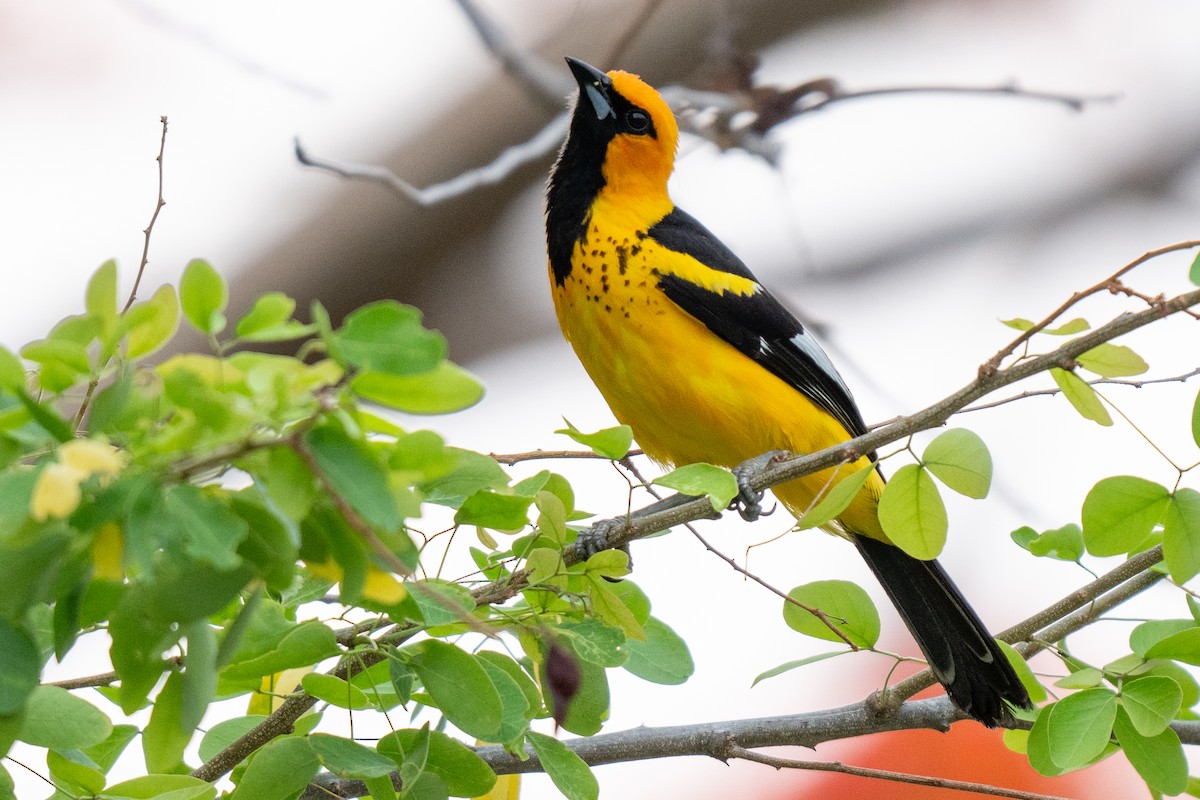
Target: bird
{"type": "Point", "coordinates": [691, 351]}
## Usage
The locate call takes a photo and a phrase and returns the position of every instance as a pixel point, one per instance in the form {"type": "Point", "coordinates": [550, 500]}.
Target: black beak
{"type": "Point", "coordinates": [594, 86]}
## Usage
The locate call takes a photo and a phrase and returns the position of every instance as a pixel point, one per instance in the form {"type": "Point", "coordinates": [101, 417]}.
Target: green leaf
{"type": "Point", "coordinates": [57, 719]}
{"type": "Point", "coordinates": [700, 480]}
{"type": "Point", "coordinates": [20, 667]}
{"type": "Point", "coordinates": [213, 530]}
{"type": "Point", "coordinates": [387, 336]}
{"type": "Point", "coordinates": [105, 754]}
{"type": "Point", "coordinates": [349, 759]}
{"type": "Point", "coordinates": [788, 666]}
{"type": "Point", "coordinates": [845, 605]}
{"type": "Point", "coordinates": [1019, 323]}
{"type": "Point", "coordinates": [1194, 270]}
{"type": "Point", "coordinates": [161, 787]}
{"type": "Point", "coordinates": [1183, 646]}
{"type": "Point", "coordinates": [47, 417]}
{"type": "Point", "coordinates": [1181, 535]}
{"type": "Point", "coordinates": [1149, 633]}
{"type": "Point", "coordinates": [1082, 396]}
{"type": "Point", "coordinates": [501, 512]}
{"type": "Point", "coordinates": [1112, 361]}
{"type": "Point", "coordinates": [1195, 420]}
{"type": "Point", "coordinates": [595, 642]}
{"type": "Point", "coordinates": [912, 513]}
{"type": "Point", "coordinates": [204, 296]}
{"type": "Point", "coordinates": [1037, 692]}
{"type": "Point", "coordinates": [225, 733]}
{"type": "Point", "coordinates": [1151, 702]}
{"type": "Point", "coordinates": [464, 773]}
{"type": "Point", "coordinates": [270, 320]}
{"type": "Point", "coordinates": [568, 771]}
{"type": "Point", "coordinates": [335, 691]}
{"type": "Point", "coordinates": [960, 459]}
{"type": "Point", "coordinates": [608, 564]}
{"type": "Point", "coordinates": [444, 389]}
{"type": "Point", "coordinates": [1079, 727]}
{"type": "Point", "coordinates": [1071, 327]}
{"type": "Point", "coordinates": [151, 323]}
{"type": "Point", "coordinates": [836, 500]}
{"type": "Point", "coordinates": [101, 296]}
{"type": "Point", "coordinates": [663, 657]}
{"type": "Point", "coordinates": [279, 771]}
{"type": "Point", "coordinates": [352, 470]}
{"type": "Point", "coordinates": [612, 443]}
{"type": "Point", "coordinates": [459, 686]}
{"type": "Point", "coordinates": [608, 606]}
{"type": "Point", "coordinates": [516, 712]}
{"type": "Point", "coordinates": [1119, 513]}
{"type": "Point", "coordinates": [273, 643]}
{"type": "Point", "coordinates": [1158, 758]}
{"type": "Point", "coordinates": [1086, 678]}
{"type": "Point", "coordinates": [12, 370]}
{"type": "Point", "coordinates": [533, 695]}
{"type": "Point", "coordinates": [1065, 543]}
{"type": "Point", "coordinates": [72, 771]}
{"type": "Point", "coordinates": [165, 738]}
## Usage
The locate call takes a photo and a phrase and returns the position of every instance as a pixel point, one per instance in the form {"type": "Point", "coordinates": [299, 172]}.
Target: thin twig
{"type": "Point", "coordinates": [1105, 285]}
{"type": "Point", "coordinates": [888, 775]}
{"type": "Point", "coordinates": [509, 161]}
{"type": "Point", "coordinates": [508, 459]}
{"type": "Point", "coordinates": [159, 203]}
{"type": "Point", "coordinates": [549, 85]}
{"type": "Point", "coordinates": [348, 512]}
{"type": "Point", "coordinates": [1096, 382]}
{"type": "Point", "coordinates": [1050, 624]}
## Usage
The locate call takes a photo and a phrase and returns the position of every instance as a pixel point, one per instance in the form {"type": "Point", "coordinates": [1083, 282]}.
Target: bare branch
{"type": "Point", "coordinates": [509, 161]}
{"type": "Point", "coordinates": [508, 459]}
{"type": "Point", "coordinates": [158, 204]}
{"type": "Point", "coordinates": [1096, 382]}
{"type": "Point", "coordinates": [546, 83]}
{"type": "Point", "coordinates": [1107, 285]}
{"type": "Point", "coordinates": [888, 775]}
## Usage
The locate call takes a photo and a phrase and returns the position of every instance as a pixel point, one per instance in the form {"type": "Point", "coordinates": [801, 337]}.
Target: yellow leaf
{"type": "Point", "coordinates": [274, 689]}
{"type": "Point", "coordinates": [56, 492]}
{"type": "Point", "coordinates": [108, 548]}
{"type": "Point", "coordinates": [507, 787]}
{"type": "Point", "coordinates": [381, 587]}
{"type": "Point", "coordinates": [91, 457]}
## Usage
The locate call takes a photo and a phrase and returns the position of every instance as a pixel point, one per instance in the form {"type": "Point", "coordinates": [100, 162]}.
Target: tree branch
{"type": "Point", "coordinates": [804, 729]}
{"type": "Point", "coordinates": [887, 775]}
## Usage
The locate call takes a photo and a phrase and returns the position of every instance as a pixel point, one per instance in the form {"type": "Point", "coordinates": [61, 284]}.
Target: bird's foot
{"type": "Point", "coordinates": [748, 502]}
{"type": "Point", "coordinates": [598, 537]}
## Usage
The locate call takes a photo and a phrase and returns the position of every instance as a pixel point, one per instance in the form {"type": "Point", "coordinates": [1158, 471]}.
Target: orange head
{"type": "Point", "coordinates": [628, 129]}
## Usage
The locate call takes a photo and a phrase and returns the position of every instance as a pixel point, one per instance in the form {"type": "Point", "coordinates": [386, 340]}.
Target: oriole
{"type": "Point", "coordinates": [704, 364]}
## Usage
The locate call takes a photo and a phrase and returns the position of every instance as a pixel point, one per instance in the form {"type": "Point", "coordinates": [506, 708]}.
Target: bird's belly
{"type": "Point", "coordinates": [690, 396]}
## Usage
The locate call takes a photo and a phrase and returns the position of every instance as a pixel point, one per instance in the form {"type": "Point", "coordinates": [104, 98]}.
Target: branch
{"type": "Point", "coordinates": [1109, 284]}
{"type": "Point", "coordinates": [508, 459]}
{"type": "Point", "coordinates": [1095, 382]}
{"type": "Point", "coordinates": [1056, 621]}
{"type": "Point", "coordinates": [509, 161]}
{"type": "Point", "coordinates": [887, 775]}
{"type": "Point", "coordinates": [722, 740]}
{"type": "Point", "coordinates": [159, 203]}
{"type": "Point", "coordinates": [805, 729]}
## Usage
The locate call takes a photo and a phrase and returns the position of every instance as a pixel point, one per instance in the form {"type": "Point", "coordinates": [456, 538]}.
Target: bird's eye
{"type": "Point", "coordinates": [637, 121]}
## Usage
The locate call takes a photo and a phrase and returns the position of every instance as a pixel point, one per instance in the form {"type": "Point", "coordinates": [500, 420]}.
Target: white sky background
{"type": "Point", "coordinates": [907, 225]}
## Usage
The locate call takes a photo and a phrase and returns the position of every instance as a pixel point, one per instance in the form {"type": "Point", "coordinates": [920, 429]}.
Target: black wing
{"type": "Point", "coordinates": [757, 324]}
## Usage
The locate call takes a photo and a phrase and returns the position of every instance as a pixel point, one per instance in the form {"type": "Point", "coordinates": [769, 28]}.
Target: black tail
{"type": "Point", "coordinates": [959, 649]}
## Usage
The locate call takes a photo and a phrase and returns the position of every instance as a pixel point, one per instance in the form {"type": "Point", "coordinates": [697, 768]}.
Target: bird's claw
{"type": "Point", "coordinates": [597, 538]}
{"type": "Point", "coordinates": [748, 502]}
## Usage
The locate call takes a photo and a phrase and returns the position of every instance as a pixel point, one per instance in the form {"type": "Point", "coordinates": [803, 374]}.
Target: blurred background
{"type": "Point", "coordinates": [904, 227]}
